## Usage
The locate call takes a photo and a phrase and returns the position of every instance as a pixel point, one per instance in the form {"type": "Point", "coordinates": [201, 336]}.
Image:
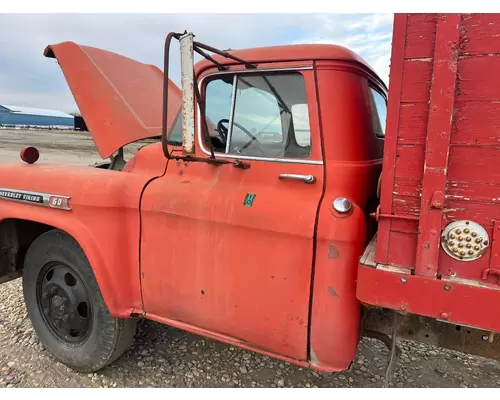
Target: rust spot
{"type": "Point", "coordinates": [331, 291]}
{"type": "Point", "coordinates": [332, 251]}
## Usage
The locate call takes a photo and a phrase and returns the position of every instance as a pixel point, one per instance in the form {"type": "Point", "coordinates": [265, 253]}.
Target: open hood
{"type": "Point", "coordinates": [120, 99]}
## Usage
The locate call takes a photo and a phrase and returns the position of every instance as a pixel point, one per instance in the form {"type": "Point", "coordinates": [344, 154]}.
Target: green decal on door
{"type": "Point", "coordinates": [249, 198]}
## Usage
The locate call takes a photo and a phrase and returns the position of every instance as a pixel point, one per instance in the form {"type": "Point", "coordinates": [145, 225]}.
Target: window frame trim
{"type": "Point", "coordinates": [371, 87]}
{"type": "Point", "coordinates": [236, 72]}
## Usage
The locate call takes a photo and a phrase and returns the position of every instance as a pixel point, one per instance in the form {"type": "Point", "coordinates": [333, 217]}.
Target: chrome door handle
{"type": "Point", "coordinates": [305, 178]}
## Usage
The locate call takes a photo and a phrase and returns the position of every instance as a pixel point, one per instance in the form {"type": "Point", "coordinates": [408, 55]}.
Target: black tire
{"type": "Point", "coordinates": [100, 338]}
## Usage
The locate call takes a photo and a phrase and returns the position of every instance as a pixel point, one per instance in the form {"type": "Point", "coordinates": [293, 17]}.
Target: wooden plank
{"type": "Point", "coordinates": [476, 123]}
{"type": "Point", "coordinates": [410, 161]}
{"type": "Point", "coordinates": [437, 145]}
{"type": "Point", "coordinates": [402, 249]}
{"type": "Point", "coordinates": [480, 34]}
{"type": "Point", "coordinates": [417, 76]}
{"type": "Point", "coordinates": [406, 205]}
{"type": "Point", "coordinates": [407, 187]}
{"type": "Point", "coordinates": [478, 78]}
{"type": "Point", "coordinates": [390, 148]}
{"type": "Point", "coordinates": [481, 213]}
{"type": "Point", "coordinates": [474, 164]}
{"type": "Point", "coordinates": [413, 123]}
{"type": "Point", "coordinates": [420, 35]}
{"type": "Point", "coordinates": [404, 226]}
{"type": "Point", "coordinates": [473, 191]}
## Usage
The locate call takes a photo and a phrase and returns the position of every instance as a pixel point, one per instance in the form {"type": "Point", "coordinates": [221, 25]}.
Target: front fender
{"type": "Point", "coordinates": [120, 295]}
{"type": "Point", "coordinates": [104, 217]}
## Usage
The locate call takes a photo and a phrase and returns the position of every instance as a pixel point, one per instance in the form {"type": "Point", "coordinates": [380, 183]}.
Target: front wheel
{"type": "Point", "coordinates": [66, 307]}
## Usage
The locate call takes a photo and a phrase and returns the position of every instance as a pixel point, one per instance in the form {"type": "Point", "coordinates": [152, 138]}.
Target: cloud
{"type": "Point", "coordinates": [370, 36]}
{"type": "Point", "coordinates": [29, 79]}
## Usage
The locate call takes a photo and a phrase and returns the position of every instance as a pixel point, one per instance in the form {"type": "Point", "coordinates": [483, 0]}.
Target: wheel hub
{"type": "Point", "coordinates": [64, 302]}
{"type": "Point", "coordinates": [57, 305]}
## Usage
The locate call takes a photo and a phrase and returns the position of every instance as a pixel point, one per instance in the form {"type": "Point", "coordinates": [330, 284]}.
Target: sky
{"type": "Point", "coordinates": [29, 79]}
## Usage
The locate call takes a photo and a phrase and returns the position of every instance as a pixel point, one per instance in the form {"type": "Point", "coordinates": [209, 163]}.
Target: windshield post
{"type": "Point", "coordinates": [187, 82]}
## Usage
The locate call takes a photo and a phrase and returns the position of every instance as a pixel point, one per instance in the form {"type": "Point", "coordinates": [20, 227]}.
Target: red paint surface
{"type": "Point", "coordinates": [437, 143]}
{"type": "Point", "coordinates": [464, 304]}
{"type": "Point", "coordinates": [120, 99]}
{"type": "Point", "coordinates": [104, 218]}
{"type": "Point", "coordinates": [334, 331]}
{"type": "Point", "coordinates": [246, 273]}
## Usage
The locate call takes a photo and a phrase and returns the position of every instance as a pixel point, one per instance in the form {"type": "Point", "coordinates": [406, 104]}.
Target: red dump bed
{"type": "Point", "coordinates": [441, 166]}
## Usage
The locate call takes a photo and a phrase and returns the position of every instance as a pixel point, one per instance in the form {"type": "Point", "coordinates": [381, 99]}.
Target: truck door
{"type": "Point", "coordinates": [229, 250]}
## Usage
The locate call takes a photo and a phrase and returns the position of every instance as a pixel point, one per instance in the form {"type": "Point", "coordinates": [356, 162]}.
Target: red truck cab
{"type": "Point", "coordinates": [259, 256]}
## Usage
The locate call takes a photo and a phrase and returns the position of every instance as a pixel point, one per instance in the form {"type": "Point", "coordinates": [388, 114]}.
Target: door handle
{"type": "Point", "coordinates": [305, 178]}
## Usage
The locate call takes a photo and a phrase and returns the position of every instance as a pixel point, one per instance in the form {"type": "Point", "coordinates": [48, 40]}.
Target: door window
{"type": "Point", "coordinates": [259, 115]}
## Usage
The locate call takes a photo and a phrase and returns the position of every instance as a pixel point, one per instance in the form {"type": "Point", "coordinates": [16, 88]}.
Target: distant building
{"type": "Point", "coordinates": [25, 116]}
{"type": "Point", "coordinates": [80, 124]}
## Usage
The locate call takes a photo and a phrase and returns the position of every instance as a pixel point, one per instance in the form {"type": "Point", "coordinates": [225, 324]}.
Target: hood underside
{"type": "Point", "coordinates": [120, 99]}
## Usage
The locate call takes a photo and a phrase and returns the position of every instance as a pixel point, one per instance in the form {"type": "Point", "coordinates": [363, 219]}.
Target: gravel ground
{"type": "Point", "coordinates": [167, 357]}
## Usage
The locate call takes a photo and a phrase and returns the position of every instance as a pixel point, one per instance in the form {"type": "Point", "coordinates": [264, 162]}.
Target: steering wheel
{"type": "Point", "coordinates": [223, 131]}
